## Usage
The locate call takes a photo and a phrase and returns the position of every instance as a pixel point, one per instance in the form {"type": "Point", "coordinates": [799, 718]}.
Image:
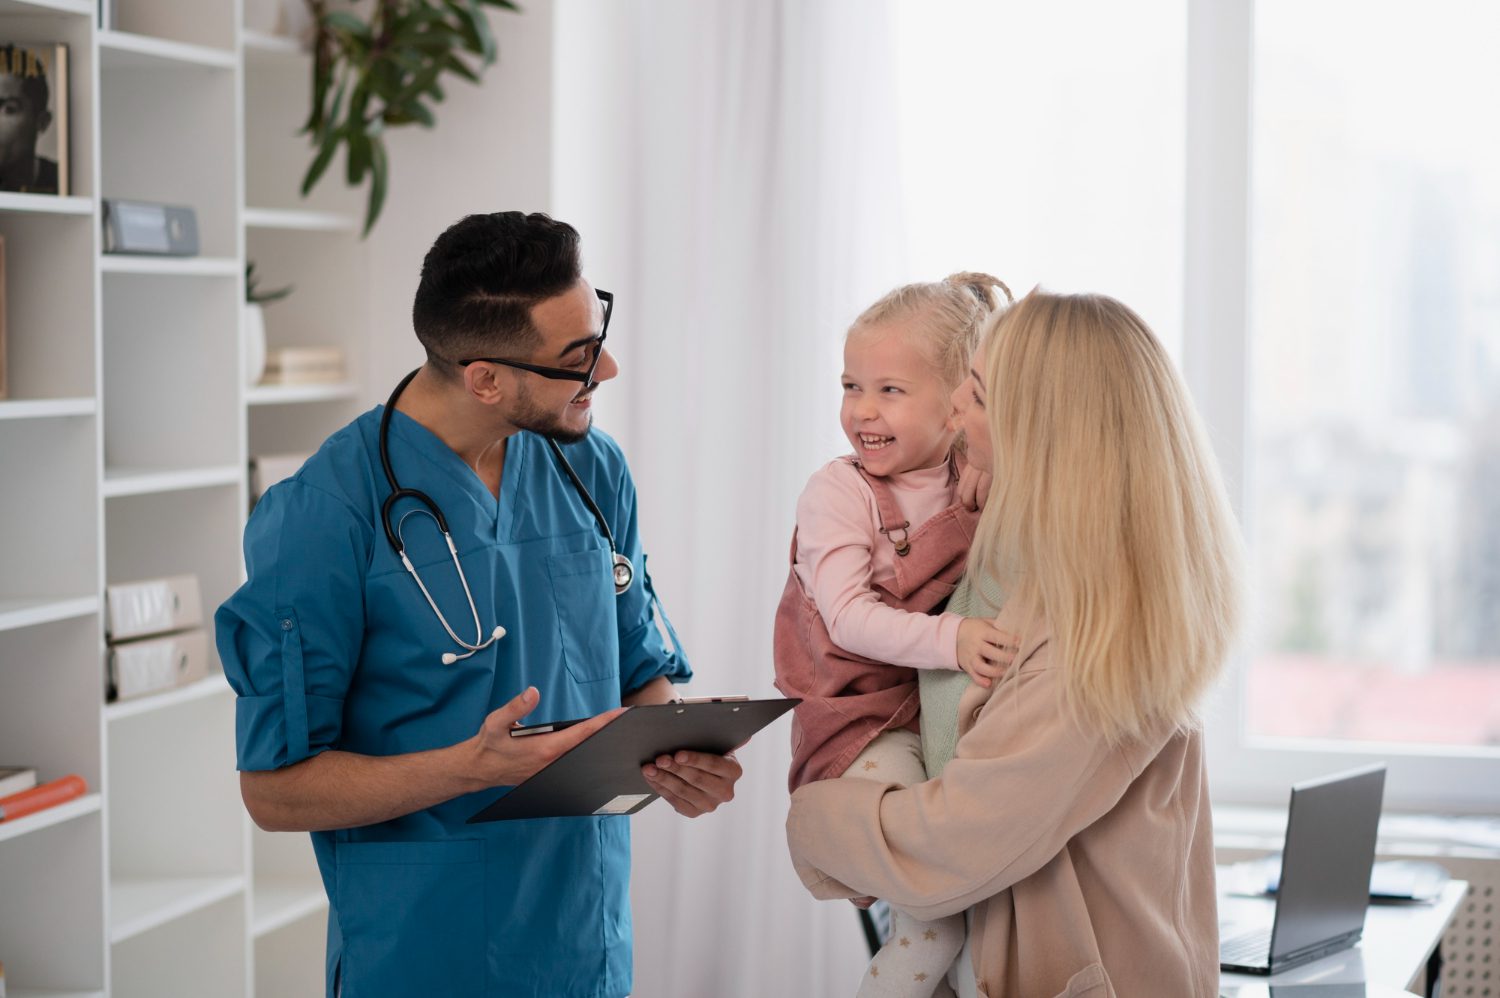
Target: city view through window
{"type": "Point", "coordinates": [1374, 509]}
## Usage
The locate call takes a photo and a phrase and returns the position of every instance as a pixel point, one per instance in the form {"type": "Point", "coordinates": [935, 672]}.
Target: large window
{"type": "Point", "coordinates": [1374, 355]}
{"type": "Point", "coordinates": [1043, 152]}
{"type": "Point", "coordinates": [1303, 199]}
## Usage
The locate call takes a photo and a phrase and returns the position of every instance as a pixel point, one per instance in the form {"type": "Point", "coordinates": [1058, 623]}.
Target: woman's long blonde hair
{"type": "Point", "coordinates": [1107, 517]}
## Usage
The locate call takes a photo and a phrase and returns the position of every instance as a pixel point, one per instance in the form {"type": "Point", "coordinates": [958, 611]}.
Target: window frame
{"type": "Point", "coordinates": [1215, 354]}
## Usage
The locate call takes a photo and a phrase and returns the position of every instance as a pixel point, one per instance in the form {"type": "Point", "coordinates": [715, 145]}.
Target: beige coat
{"type": "Point", "coordinates": [1090, 871]}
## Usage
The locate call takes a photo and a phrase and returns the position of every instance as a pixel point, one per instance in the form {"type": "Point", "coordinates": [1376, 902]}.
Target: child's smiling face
{"type": "Point", "coordinates": [897, 414]}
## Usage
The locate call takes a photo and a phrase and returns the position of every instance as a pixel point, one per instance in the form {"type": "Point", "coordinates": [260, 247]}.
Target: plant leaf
{"type": "Point", "coordinates": [379, 177]}
{"type": "Point", "coordinates": [456, 65]}
{"type": "Point", "coordinates": [349, 23]}
{"type": "Point", "coordinates": [326, 148]}
{"type": "Point", "coordinates": [475, 28]}
{"type": "Point", "coordinates": [357, 162]}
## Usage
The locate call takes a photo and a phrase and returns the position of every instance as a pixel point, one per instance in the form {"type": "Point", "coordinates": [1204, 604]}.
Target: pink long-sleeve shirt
{"type": "Point", "coordinates": [841, 553]}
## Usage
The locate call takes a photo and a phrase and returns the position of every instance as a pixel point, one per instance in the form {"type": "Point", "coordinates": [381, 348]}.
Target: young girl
{"type": "Point", "coordinates": [881, 540]}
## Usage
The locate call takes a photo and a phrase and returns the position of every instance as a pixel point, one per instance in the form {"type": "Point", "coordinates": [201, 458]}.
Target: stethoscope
{"type": "Point", "coordinates": [624, 571]}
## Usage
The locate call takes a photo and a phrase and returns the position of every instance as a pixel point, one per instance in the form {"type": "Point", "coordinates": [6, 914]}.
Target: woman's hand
{"type": "Point", "coordinates": [984, 650]}
{"type": "Point", "coordinates": [973, 487]}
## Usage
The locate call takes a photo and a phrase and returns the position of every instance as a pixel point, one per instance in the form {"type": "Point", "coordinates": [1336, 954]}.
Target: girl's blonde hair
{"type": "Point", "coordinates": [1107, 517]}
{"type": "Point", "coordinates": [944, 317]}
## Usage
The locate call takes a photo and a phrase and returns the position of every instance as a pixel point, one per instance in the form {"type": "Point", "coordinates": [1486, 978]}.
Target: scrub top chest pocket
{"type": "Point", "coordinates": [584, 594]}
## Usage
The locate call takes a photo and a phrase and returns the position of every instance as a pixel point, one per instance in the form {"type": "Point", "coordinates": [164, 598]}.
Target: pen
{"type": "Point", "coordinates": [543, 729]}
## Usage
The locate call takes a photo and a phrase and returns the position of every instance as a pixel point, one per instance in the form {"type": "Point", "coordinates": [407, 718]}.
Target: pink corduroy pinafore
{"type": "Point", "coordinates": [847, 699]}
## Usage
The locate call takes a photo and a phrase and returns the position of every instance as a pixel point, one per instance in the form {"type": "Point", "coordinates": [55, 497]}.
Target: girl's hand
{"type": "Point", "coordinates": [973, 487]}
{"type": "Point", "coordinates": [984, 650]}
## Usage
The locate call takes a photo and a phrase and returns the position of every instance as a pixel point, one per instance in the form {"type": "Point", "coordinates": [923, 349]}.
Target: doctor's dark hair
{"type": "Point", "coordinates": [481, 278]}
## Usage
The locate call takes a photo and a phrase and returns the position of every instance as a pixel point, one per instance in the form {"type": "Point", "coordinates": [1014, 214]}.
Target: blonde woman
{"type": "Point", "coordinates": [1072, 820]}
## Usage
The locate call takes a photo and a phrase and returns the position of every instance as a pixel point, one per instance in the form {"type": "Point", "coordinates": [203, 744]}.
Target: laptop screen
{"type": "Point", "coordinates": [1325, 866]}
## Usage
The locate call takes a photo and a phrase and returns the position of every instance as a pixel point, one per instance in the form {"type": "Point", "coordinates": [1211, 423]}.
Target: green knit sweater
{"type": "Point", "coordinates": [940, 689]}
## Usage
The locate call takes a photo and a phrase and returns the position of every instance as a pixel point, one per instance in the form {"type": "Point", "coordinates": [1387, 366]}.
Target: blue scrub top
{"type": "Point", "coordinates": [330, 645]}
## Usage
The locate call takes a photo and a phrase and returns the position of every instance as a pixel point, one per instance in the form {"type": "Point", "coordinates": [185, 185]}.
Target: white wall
{"type": "Point", "coordinates": [490, 151]}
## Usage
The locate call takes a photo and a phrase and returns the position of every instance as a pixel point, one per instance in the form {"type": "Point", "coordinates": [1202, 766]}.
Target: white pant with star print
{"type": "Point", "coordinates": [913, 962]}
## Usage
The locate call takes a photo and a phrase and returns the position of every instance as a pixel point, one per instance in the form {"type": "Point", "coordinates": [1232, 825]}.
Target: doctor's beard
{"type": "Point", "coordinates": [531, 415]}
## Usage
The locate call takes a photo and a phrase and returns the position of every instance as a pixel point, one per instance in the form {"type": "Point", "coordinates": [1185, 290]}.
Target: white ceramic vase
{"type": "Point", "coordinates": [255, 343]}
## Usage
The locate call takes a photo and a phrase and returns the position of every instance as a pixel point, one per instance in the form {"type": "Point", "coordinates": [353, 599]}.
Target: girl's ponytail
{"type": "Point", "coordinates": [982, 287]}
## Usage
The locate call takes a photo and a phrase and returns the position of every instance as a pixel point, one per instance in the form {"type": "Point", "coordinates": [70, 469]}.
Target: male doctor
{"type": "Point", "coordinates": [378, 718]}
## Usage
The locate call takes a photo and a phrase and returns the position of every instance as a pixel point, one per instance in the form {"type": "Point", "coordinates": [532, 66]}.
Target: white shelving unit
{"type": "Point", "coordinates": [130, 414]}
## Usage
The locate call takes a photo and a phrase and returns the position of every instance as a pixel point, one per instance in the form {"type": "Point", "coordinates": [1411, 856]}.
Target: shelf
{"type": "Point", "coordinates": [45, 204]}
{"type": "Point", "coordinates": [18, 613]}
{"type": "Point", "coordinates": [69, 7]}
{"type": "Point", "coordinates": [140, 905]}
{"type": "Point", "coordinates": [87, 804]}
{"type": "Point", "coordinates": [120, 50]}
{"type": "Point", "coordinates": [30, 993]}
{"type": "Point", "coordinates": [46, 408]}
{"type": "Point", "coordinates": [264, 48]}
{"type": "Point", "coordinates": [201, 689]}
{"type": "Point", "coordinates": [179, 266]}
{"type": "Point", "coordinates": [145, 481]}
{"type": "Point", "coordinates": [298, 220]}
{"type": "Point", "coordinates": [275, 904]}
{"type": "Point", "coordinates": [289, 394]}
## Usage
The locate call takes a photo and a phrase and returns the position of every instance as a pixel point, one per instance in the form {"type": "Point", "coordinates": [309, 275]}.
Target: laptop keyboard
{"type": "Point", "coordinates": [1249, 949]}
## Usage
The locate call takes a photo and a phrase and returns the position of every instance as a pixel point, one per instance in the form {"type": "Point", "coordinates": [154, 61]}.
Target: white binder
{"type": "Point", "coordinates": [152, 606]}
{"type": "Point", "coordinates": [137, 668]}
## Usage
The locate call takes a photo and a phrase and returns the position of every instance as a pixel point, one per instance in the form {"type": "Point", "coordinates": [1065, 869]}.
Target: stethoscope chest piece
{"type": "Point", "coordinates": [624, 574]}
{"type": "Point", "coordinates": [622, 571]}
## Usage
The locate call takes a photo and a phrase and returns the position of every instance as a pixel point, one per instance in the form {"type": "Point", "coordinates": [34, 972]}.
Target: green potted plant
{"type": "Point", "coordinates": [255, 323]}
{"type": "Point", "coordinates": [385, 68]}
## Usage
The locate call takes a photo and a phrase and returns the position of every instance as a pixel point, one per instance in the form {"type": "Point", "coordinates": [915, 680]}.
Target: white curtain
{"type": "Point", "coordinates": [732, 167]}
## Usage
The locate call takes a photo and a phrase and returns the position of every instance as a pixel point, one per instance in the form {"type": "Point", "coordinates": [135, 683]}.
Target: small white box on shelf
{"type": "Point", "coordinates": [137, 668]}
{"type": "Point", "coordinates": [152, 606]}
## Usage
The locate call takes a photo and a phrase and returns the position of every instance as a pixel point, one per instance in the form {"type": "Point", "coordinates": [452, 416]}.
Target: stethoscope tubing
{"type": "Point", "coordinates": [622, 572]}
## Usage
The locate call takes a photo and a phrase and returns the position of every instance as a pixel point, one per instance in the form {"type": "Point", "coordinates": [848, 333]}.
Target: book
{"type": "Point", "coordinates": [40, 798]}
{"type": "Point", "coordinates": [14, 779]}
{"type": "Point", "coordinates": [303, 366]}
{"type": "Point", "coordinates": [34, 90]}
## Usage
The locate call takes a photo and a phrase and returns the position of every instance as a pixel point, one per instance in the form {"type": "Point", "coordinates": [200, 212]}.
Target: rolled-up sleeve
{"type": "Point", "coordinates": [290, 637]}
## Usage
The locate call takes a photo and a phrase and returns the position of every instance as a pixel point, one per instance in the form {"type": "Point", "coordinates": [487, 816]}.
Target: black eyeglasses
{"type": "Point", "coordinates": [561, 373]}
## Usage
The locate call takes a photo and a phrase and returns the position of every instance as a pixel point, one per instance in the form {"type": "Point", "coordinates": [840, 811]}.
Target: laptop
{"type": "Point", "coordinates": [1325, 876]}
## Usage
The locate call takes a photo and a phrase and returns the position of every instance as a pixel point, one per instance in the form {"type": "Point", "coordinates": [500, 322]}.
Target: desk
{"type": "Point", "coordinates": [1399, 941]}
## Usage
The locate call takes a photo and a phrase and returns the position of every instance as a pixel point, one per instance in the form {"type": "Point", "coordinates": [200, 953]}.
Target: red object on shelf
{"type": "Point", "coordinates": [39, 798]}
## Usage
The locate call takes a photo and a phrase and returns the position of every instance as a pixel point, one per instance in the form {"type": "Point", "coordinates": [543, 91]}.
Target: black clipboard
{"type": "Point", "coordinates": [602, 774]}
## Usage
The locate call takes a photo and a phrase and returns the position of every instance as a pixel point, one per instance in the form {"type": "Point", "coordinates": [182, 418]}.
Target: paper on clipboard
{"type": "Point", "coordinates": [602, 774]}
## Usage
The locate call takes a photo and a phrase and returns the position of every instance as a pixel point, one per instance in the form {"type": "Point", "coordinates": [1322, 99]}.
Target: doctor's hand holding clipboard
{"type": "Point", "coordinates": [694, 783]}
